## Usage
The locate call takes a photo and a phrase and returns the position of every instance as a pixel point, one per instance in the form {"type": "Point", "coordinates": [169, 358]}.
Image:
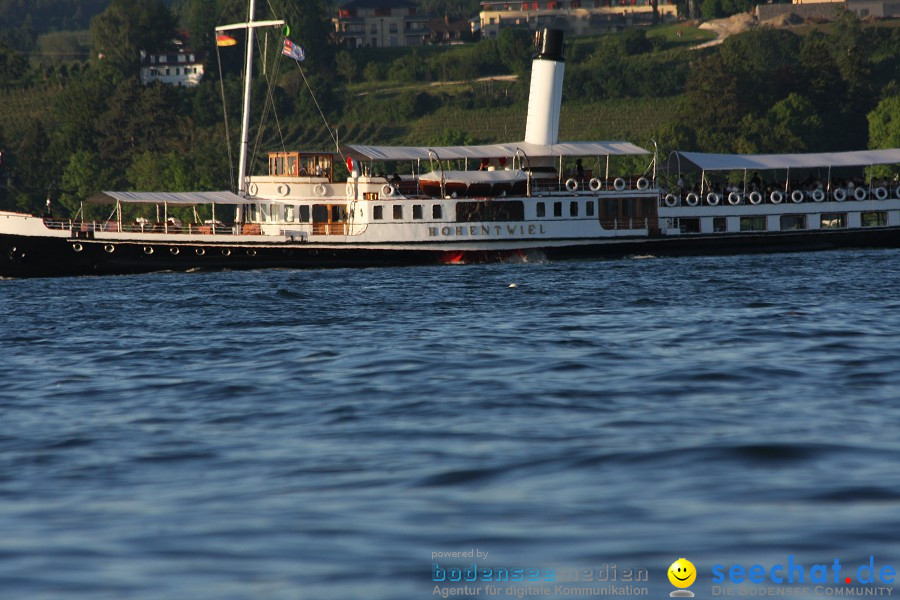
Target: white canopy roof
{"type": "Point", "coordinates": [382, 153]}
{"type": "Point", "coordinates": [172, 198]}
{"type": "Point", "coordinates": [737, 162]}
{"type": "Point", "coordinates": [476, 176]}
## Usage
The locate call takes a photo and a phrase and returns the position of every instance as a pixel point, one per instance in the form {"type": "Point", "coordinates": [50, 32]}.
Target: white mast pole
{"type": "Point", "coordinates": [245, 124]}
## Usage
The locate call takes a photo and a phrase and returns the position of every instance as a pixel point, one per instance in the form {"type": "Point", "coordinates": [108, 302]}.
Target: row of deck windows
{"type": "Point", "coordinates": [786, 222]}
{"type": "Point", "coordinates": [397, 212]}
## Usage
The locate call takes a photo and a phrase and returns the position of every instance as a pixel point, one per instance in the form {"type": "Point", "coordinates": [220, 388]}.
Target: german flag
{"type": "Point", "coordinates": [225, 40]}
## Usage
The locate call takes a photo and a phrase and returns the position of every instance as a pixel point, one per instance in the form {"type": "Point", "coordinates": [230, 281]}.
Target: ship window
{"type": "Point", "coordinates": [557, 209]}
{"type": "Point", "coordinates": [541, 209]}
{"type": "Point", "coordinates": [338, 213]}
{"type": "Point", "coordinates": [791, 222]}
{"type": "Point", "coordinates": [320, 213]}
{"type": "Point", "coordinates": [573, 209]}
{"type": "Point", "coordinates": [494, 210]}
{"type": "Point", "coordinates": [833, 220]}
{"type": "Point", "coordinates": [304, 213]}
{"type": "Point", "coordinates": [753, 223]}
{"type": "Point", "coordinates": [398, 211]}
{"type": "Point", "coordinates": [689, 225]}
{"type": "Point", "coordinates": [289, 213]}
{"type": "Point", "coordinates": [417, 211]}
{"type": "Point", "coordinates": [873, 219]}
{"type": "Point", "coordinates": [378, 212]}
{"type": "Point", "coordinates": [589, 208]}
{"type": "Point", "coordinates": [720, 225]}
{"type": "Point", "coordinates": [436, 212]}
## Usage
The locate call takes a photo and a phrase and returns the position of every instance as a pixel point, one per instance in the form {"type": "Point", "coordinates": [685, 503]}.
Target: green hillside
{"type": "Point", "coordinates": [72, 127]}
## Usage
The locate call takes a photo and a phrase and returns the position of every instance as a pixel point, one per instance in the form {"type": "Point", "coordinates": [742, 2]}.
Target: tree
{"type": "Point", "coordinates": [884, 124]}
{"type": "Point", "coordinates": [884, 131]}
{"type": "Point", "coordinates": [345, 65]}
{"type": "Point", "coordinates": [126, 28]}
{"type": "Point", "coordinates": [515, 50]}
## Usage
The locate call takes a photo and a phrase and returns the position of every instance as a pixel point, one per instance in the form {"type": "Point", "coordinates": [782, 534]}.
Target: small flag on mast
{"type": "Point", "coordinates": [293, 50]}
{"type": "Point", "coordinates": [225, 40]}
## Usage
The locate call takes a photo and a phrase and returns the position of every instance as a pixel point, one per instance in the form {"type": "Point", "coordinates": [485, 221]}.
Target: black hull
{"type": "Point", "coordinates": [22, 256]}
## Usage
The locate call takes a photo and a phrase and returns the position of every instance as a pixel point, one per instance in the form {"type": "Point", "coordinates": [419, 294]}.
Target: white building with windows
{"type": "Point", "coordinates": [178, 67]}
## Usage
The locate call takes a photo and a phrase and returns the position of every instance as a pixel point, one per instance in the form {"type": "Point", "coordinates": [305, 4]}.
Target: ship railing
{"type": "Point", "coordinates": [624, 224]}
{"type": "Point", "coordinates": [137, 227]}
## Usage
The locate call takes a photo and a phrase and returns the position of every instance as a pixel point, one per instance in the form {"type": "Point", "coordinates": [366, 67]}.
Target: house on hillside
{"type": "Point", "coordinates": [445, 31]}
{"type": "Point", "coordinates": [178, 67]}
{"type": "Point", "coordinates": [577, 17]}
{"type": "Point", "coordinates": [380, 24]}
{"type": "Point", "coordinates": [826, 9]}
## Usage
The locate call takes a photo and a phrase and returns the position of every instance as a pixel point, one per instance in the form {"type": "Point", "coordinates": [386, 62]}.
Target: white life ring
{"type": "Point", "coordinates": [77, 247]}
{"type": "Point", "coordinates": [595, 184]}
{"type": "Point", "coordinates": [284, 190]}
{"type": "Point", "coordinates": [671, 200]}
{"type": "Point", "coordinates": [881, 193]}
{"type": "Point", "coordinates": [840, 194]}
{"type": "Point", "coordinates": [692, 199]}
{"type": "Point", "coordinates": [713, 199]}
{"type": "Point", "coordinates": [643, 184]}
{"type": "Point", "coordinates": [571, 185]}
{"type": "Point", "coordinates": [174, 251]}
{"type": "Point", "coordinates": [148, 250]}
{"type": "Point", "coordinates": [619, 184]}
{"type": "Point", "coordinates": [387, 190]}
{"type": "Point", "coordinates": [776, 197]}
{"type": "Point", "coordinates": [351, 190]}
{"type": "Point", "coordinates": [252, 189]}
{"type": "Point", "coordinates": [734, 198]}
{"type": "Point", "coordinates": [199, 251]}
{"type": "Point", "coordinates": [796, 196]}
{"type": "Point", "coordinates": [897, 192]}
{"type": "Point", "coordinates": [818, 195]}
{"type": "Point", "coordinates": [109, 248]}
{"type": "Point", "coordinates": [319, 190]}
{"type": "Point", "coordinates": [859, 192]}
{"type": "Point", "coordinates": [755, 198]}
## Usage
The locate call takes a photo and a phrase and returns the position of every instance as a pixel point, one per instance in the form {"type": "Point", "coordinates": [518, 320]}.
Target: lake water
{"type": "Point", "coordinates": [324, 434]}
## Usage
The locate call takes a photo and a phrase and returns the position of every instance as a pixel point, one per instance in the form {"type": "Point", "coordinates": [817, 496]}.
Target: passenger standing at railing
{"type": "Point", "coordinates": [49, 213]}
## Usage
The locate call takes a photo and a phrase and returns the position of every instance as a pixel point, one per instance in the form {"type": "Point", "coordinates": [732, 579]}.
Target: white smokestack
{"type": "Point", "coordinates": [545, 97]}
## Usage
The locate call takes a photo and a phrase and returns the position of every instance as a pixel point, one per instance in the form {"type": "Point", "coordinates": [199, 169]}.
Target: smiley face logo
{"type": "Point", "coordinates": [682, 573]}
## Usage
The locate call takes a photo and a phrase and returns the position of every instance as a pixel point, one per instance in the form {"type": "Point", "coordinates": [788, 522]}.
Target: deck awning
{"type": "Point", "coordinates": [391, 153]}
{"type": "Point", "coordinates": [170, 198]}
{"type": "Point", "coordinates": [739, 162]}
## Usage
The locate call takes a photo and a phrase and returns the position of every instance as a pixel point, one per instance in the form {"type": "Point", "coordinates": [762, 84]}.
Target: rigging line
{"type": "Point", "coordinates": [324, 120]}
{"type": "Point", "coordinates": [269, 105]}
{"type": "Point", "coordinates": [225, 121]}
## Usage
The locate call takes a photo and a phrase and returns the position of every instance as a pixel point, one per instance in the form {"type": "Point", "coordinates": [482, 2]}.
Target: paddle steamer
{"type": "Point", "coordinates": [514, 201]}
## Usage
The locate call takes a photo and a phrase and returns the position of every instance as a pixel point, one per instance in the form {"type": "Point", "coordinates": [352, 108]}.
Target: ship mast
{"type": "Point", "coordinates": [250, 26]}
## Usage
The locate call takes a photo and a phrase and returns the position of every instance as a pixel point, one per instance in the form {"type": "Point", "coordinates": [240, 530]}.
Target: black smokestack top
{"type": "Point", "coordinates": [548, 44]}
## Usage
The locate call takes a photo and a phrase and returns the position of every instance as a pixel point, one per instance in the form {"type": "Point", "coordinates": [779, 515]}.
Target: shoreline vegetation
{"type": "Point", "coordinates": [73, 126]}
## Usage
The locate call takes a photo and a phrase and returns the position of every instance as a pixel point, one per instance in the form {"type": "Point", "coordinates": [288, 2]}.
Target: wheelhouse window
{"type": "Point", "coordinates": [557, 209]}
{"type": "Point", "coordinates": [469, 212]}
{"type": "Point", "coordinates": [573, 209]}
{"type": "Point", "coordinates": [541, 209]}
{"type": "Point", "coordinates": [753, 223]}
{"type": "Point", "coordinates": [793, 222]}
{"type": "Point", "coordinates": [417, 211]}
{"type": "Point", "coordinates": [436, 212]}
{"type": "Point", "coordinates": [873, 219]}
{"type": "Point", "coordinates": [398, 212]}
{"type": "Point", "coordinates": [833, 220]}
{"type": "Point", "coordinates": [378, 212]}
